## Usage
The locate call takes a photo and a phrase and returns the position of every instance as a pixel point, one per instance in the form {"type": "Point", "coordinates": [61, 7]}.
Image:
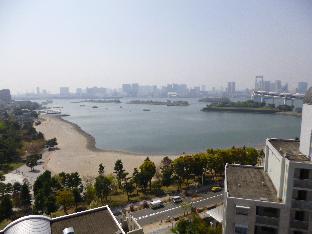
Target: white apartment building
{"type": "Point", "coordinates": [275, 198]}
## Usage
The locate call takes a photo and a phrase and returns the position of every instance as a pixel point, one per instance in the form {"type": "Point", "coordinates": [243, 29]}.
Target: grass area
{"type": "Point", "coordinates": [4, 223]}
{"type": "Point", "coordinates": [6, 168]}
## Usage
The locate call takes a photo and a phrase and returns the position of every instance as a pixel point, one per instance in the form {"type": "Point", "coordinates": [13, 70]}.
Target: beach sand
{"type": "Point", "coordinates": [78, 152]}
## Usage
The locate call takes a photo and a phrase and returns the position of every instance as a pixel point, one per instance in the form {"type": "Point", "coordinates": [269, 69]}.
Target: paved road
{"type": "Point", "coordinates": [148, 216]}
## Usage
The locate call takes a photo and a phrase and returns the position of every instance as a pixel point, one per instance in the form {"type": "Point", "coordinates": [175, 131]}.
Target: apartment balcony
{"type": "Point", "coordinates": [299, 225]}
{"type": "Point", "coordinates": [265, 220]}
{"type": "Point", "coordinates": [307, 184]}
{"type": "Point", "coordinates": [303, 205]}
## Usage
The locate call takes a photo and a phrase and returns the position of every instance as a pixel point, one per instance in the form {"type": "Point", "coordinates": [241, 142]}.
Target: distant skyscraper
{"type": "Point", "coordinates": [259, 83]}
{"type": "Point", "coordinates": [38, 91]}
{"type": "Point", "coordinates": [64, 91]}
{"type": "Point", "coordinates": [78, 91]}
{"type": "Point", "coordinates": [278, 86]}
{"type": "Point", "coordinates": [5, 96]}
{"type": "Point", "coordinates": [267, 86]}
{"type": "Point", "coordinates": [231, 88]}
{"type": "Point", "coordinates": [302, 87]}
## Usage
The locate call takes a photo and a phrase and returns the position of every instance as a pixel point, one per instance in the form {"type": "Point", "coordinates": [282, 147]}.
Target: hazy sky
{"type": "Point", "coordinates": [55, 43]}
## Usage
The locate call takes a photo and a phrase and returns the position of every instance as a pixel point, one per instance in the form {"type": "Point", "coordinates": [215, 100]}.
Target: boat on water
{"type": "Point", "coordinates": [95, 107]}
{"type": "Point", "coordinates": [146, 110]}
{"type": "Point", "coordinates": [82, 105]}
{"type": "Point", "coordinates": [54, 112]}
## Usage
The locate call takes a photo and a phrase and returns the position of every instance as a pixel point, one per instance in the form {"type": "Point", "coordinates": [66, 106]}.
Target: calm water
{"type": "Point", "coordinates": [174, 130]}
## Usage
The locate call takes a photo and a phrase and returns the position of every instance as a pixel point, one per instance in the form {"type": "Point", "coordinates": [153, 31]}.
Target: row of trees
{"type": "Point", "coordinates": [16, 195]}
{"type": "Point", "coordinates": [67, 190]}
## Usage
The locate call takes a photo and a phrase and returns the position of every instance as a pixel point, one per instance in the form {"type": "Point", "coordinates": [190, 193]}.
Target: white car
{"type": "Point", "coordinates": [156, 204]}
{"type": "Point", "coordinates": [176, 199]}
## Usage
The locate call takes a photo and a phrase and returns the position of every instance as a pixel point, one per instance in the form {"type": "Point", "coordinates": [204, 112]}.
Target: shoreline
{"type": "Point", "coordinates": [91, 142]}
{"type": "Point", "coordinates": [78, 151]}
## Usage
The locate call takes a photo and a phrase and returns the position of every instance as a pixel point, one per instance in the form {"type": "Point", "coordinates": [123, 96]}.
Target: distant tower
{"type": "Point", "coordinates": [259, 83]}
{"type": "Point", "coordinates": [306, 125]}
{"type": "Point", "coordinates": [38, 90]}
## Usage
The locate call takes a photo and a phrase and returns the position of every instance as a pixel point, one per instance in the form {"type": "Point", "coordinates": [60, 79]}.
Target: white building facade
{"type": "Point", "coordinates": [275, 198]}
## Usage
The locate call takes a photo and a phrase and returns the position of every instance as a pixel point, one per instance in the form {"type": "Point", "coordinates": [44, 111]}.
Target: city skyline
{"type": "Point", "coordinates": [54, 43]}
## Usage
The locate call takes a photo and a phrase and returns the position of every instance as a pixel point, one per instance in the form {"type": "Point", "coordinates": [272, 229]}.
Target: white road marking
{"type": "Point", "coordinates": [163, 211]}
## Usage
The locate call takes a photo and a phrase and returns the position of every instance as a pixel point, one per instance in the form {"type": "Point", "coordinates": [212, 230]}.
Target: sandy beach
{"type": "Point", "coordinates": [78, 152]}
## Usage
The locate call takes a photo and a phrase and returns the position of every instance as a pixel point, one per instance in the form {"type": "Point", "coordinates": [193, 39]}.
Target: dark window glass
{"type": "Point", "coordinates": [304, 174]}
{"type": "Point", "coordinates": [302, 195]}
{"type": "Point", "coordinates": [299, 215]}
{"type": "Point", "coordinates": [267, 211]}
{"type": "Point", "coordinates": [265, 230]}
{"type": "Point", "coordinates": [241, 230]}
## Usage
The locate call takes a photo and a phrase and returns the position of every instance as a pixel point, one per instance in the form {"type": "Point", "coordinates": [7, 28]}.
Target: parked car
{"type": "Point", "coordinates": [176, 199]}
{"type": "Point", "coordinates": [216, 189]}
{"type": "Point", "coordinates": [156, 204]}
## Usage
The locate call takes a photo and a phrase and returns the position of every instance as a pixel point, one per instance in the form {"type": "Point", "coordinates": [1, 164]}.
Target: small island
{"type": "Point", "coordinates": [247, 107]}
{"type": "Point", "coordinates": [101, 101]}
{"type": "Point", "coordinates": [167, 103]}
{"type": "Point", "coordinates": [214, 99]}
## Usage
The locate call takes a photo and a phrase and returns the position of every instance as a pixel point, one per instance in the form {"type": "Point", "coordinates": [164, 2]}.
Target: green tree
{"type": "Point", "coordinates": [50, 204]}
{"type": "Point", "coordinates": [102, 187]}
{"type": "Point", "coordinates": [31, 161]}
{"type": "Point", "coordinates": [65, 198]}
{"type": "Point", "coordinates": [77, 197]}
{"type": "Point", "coordinates": [16, 194]}
{"type": "Point", "coordinates": [166, 169]}
{"type": "Point", "coordinates": [90, 193]}
{"type": "Point", "coordinates": [25, 197]}
{"type": "Point", "coordinates": [128, 187]}
{"type": "Point", "coordinates": [147, 171]}
{"type": "Point", "coordinates": [120, 172]}
{"type": "Point", "coordinates": [6, 207]}
{"type": "Point", "coordinates": [101, 169]}
{"type": "Point", "coordinates": [183, 169]}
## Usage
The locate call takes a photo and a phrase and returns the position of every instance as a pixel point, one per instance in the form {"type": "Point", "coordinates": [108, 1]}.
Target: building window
{"type": "Point", "coordinates": [265, 230]}
{"type": "Point", "coordinates": [240, 229]}
{"type": "Point", "coordinates": [302, 195]}
{"type": "Point", "coordinates": [304, 174]}
{"type": "Point", "coordinates": [267, 211]}
{"type": "Point", "coordinates": [297, 232]}
{"type": "Point", "coordinates": [242, 210]}
{"type": "Point", "coordinates": [300, 215]}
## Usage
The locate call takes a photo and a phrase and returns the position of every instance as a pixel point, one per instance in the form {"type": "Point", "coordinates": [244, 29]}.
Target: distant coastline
{"type": "Point", "coordinates": [91, 141]}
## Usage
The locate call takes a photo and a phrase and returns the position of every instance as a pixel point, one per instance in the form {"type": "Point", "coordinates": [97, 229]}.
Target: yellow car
{"type": "Point", "coordinates": [216, 189]}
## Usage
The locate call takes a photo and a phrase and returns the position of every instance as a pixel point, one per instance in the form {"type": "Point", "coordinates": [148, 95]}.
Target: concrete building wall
{"type": "Point", "coordinates": [275, 167]}
{"type": "Point", "coordinates": [233, 219]}
{"type": "Point", "coordinates": [306, 130]}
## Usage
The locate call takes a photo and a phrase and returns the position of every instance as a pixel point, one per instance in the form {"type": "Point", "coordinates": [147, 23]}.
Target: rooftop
{"type": "Point", "coordinates": [289, 149]}
{"type": "Point", "coordinates": [249, 182]}
{"type": "Point", "coordinates": [99, 220]}
{"type": "Point", "coordinates": [308, 97]}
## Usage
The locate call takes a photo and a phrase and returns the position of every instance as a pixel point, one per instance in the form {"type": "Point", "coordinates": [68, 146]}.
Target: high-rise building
{"type": "Point", "coordinates": [278, 86]}
{"type": "Point", "coordinates": [259, 83]}
{"type": "Point", "coordinates": [38, 91]}
{"type": "Point", "coordinates": [64, 91]}
{"type": "Point", "coordinates": [79, 91]}
{"type": "Point", "coordinates": [275, 198]}
{"type": "Point", "coordinates": [230, 90]}
{"type": "Point", "coordinates": [267, 86]}
{"type": "Point", "coordinates": [302, 87]}
{"type": "Point", "coordinates": [5, 96]}
{"type": "Point", "coordinates": [131, 90]}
